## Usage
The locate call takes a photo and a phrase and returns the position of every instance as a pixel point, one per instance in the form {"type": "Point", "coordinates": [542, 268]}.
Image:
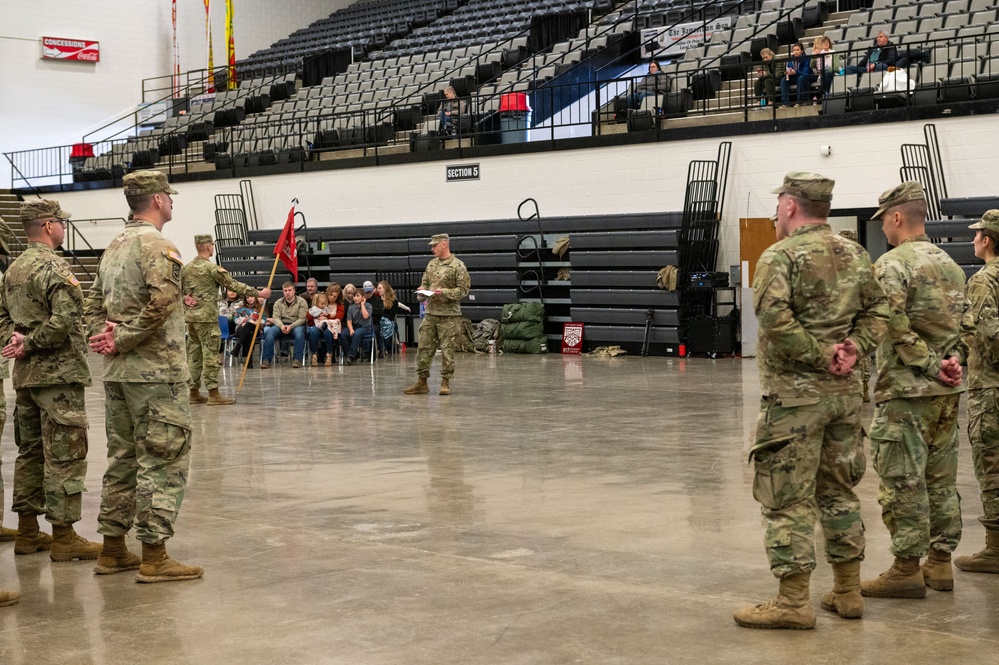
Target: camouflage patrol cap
{"type": "Point", "coordinates": [438, 237]}
{"type": "Point", "coordinates": [138, 183]}
{"type": "Point", "coordinates": [850, 234]}
{"type": "Point", "coordinates": [42, 209]}
{"type": "Point", "coordinates": [203, 239]}
{"type": "Point", "coordinates": [804, 185]}
{"type": "Point", "coordinates": [990, 221]}
{"type": "Point", "coordinates": [907, 191]}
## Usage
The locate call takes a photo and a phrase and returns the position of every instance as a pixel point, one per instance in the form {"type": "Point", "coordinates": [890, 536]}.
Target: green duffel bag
{"type": "Point", "coordinates": [523, 330]}
{"type": "Point", "coordinates": [523, 311]}
{"type": "Point", "coordinates": [538, 345]}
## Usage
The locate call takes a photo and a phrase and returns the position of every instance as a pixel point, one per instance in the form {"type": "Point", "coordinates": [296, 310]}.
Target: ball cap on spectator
{"type": "Point", "coordinates": [42, 209]}
{"type": "Point", "coordinates": [146, 182]}
{"type": "Point", "coordinates": [804, 185]}
{"type": "Point", "coordinates": [368, 287]}
{"type": "Point", "coordinates": [203, 239]}
{"type": "Point", "coordinates": [438, 237]}
{"type": "Point", "coordinates": [907, 191]}
{"type": "Point", "coordinates": [990, 221]}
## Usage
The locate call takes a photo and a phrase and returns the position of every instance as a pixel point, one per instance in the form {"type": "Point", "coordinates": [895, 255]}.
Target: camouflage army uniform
{"type": "Point", "coordinates": [812, 290]}
{"type": "Point", "coordinates": [41, 299]}
{"type": "Point", "coordinates": [202, 278]}
{"type": "Point", "coordinates": [147, 404]}
{"type": "Point", "coordinates": [4, 374]}
{"type": "Point", "coordinates": [442, 325]}
{"type": "Point", "coordinates": [914, 431]}
{"type": "Point", "coordinates": [983, 388]}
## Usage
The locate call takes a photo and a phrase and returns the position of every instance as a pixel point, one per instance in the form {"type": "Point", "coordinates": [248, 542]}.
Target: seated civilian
{"type": "Point", "coordinates": [311, 289]}
{"type": "Point", "coordinates": [392, 308]}
{"type": "Point", "coordinates": [797, 72]}
{"type": "Point", "coordinates": [335, 315]}
{"type": "Point", "coordinates": [377, 309]}
{"type": "Point", "coordinates": [287, 320]}
{"type": "Point", "coordinates": [228, 307]}
{"type": "Point", "coordinates": [319, 316]}
{"type": "Point", "coordinates": [247, 319]}
{"type": "Point", "coordinates": [359, 327]}
{"type": "Point", "coordinates": [449, 113]}
{"type": "Point", "coordinates": [825, 63]}
{"type": "Point", "coordinates": [766, 75]}
{"type": "Point", "coordinates": [348, 298]}
{"type": "Point", "coordinates": [654, 83]}
{"type": "Point", "coordinates": [879, 57]}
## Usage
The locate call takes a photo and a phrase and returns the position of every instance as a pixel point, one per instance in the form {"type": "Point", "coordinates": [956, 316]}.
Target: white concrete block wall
{"type": "Point", "coordinates": [46, 102]}
{"type": "Point", "coordinates": [640, 178]}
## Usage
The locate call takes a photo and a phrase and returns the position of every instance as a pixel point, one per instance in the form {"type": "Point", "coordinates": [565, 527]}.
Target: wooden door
{"type": "Point", "coordinates": [755, 235]}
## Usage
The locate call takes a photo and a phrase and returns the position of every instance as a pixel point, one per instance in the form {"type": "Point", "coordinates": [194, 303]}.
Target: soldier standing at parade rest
{"type": "Point", "coordinates": [819, 309]}
{"type": "Point", "coordinates": [864, 363]}
{"type": "Point", "coordinates": [983, 385]}
{"type": "Point", "coordinates": [6, 534]}
{"type": "Point", "coordinates": [135, 318]}
{"type": "Point", "coordinates": [41, 319]}
{"type": "Point", "coordinates": [447, 278]}
{"type": "Point", "coordinates": [200, 282]}
{"type": "Point", "coordinates": [914, 432]}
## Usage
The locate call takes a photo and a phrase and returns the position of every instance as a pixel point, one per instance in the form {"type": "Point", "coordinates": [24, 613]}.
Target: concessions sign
{"type": "Point", "coordinates": [58, 48]}
{"type": "Point", "coordinates": [572, 338]}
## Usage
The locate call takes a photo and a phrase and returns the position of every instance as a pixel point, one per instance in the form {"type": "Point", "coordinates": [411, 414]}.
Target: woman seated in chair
{"type": "Point", "coordinates": [654, 83]}
{"type": "Point", "coordinates": [450, 111]}
{"type": "Point", "coordinates": [797, 71]}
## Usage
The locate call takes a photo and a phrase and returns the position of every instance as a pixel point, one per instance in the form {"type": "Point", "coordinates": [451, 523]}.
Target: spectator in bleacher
{"type": "Point", "coordinates": [797, 72]}
{"type": "Point", "coordinates": [392, 308]}
{"type": "Point", "coordinates": [287, 320]}
{"type": "Point", "coordinates": [359, 327]}
{"type": "Point", "coordinates": [654, 83]}
{"type": "Point", "coordinates": [374, 299]}
{"type": "Point", "coordinates": [825, 63]}
{"type": "Point", "coordinates": [879, 57]}
{"type": "Point", "coordinates": [766, 77]}
{"type": "Point", "coordinates": [449, 112]}
{"type": "Point", "coordinates": [248, 318]}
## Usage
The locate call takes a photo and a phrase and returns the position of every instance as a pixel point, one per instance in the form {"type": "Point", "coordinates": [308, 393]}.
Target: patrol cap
{"type": "Point", "coordinates": [438, 237]}
{"type": "Point", "coordinates": [368, 287]}
{"type": "Point", "coordinates": [990, 221]}
{"type": "Point", "coordinates": [850, 234]}
{"type": "Point", "coordinates": [804, 185]}
{"type": "Point", "coordinates": [907, 191]}
{"type": "Point", "coordinates": [203, 239]}
{"type": "Point", "coordinates": [138, 183]}
{"type": "Point", "coordinates": [42, 209]}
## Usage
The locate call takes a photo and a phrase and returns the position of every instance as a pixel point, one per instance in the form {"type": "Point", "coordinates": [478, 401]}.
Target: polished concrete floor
{"type": "Point", "coordinates": [552, 510]}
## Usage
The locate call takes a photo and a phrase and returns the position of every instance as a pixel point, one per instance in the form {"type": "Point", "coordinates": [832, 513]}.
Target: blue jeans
{"type": "Point", "coordinates": [352, 344]}
{"type": "Point", "coordinates": [860, 71]}
{"type": "Point", "coordinates": [444, 125]}
{"type": "Point", "coordinates": [273, 333]}
{"type": "Point", "coordinates": [803, 83]}
{"type": "Point", "coordinates": [315, 334]}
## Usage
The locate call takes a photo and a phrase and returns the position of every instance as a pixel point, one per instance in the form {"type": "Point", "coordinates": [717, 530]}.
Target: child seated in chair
{"type": "Point", "coordinates": [359, 327]}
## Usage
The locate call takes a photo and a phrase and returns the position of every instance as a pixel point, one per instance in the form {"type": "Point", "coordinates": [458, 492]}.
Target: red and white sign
{"type": "Point", "coordinates": [58, 48]}
{"type": "Point", "coordinates": [572, 338]}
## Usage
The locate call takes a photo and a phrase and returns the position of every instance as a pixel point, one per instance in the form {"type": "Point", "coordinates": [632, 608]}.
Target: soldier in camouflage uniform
{"type": "Point", "coordinates": [983, 387]}
{"type": "Point", "coordinates": [914, 431]}
{"type": "Point", "coordinates": [6, 535]}
{"type": "Point", "coordinates": [135, 318]}
{"type": "Point", "coordinates": [864, 363]}
{"type": "Point", "coordinates": [819, 309]}
{"type": "Point", "coordinates": [200, 282]}
{"type": "Point", "coordinates": [41, 308]}
{"type": "Point", "coordinates": [442, 326]}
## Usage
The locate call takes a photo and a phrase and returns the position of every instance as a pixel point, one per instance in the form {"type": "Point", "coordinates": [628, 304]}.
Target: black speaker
{"type": "Point", "coordinates": [711, 335]}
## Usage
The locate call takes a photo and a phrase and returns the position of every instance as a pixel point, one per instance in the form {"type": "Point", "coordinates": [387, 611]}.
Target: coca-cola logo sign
{"type": "Point", "coordinates": [59, 48]}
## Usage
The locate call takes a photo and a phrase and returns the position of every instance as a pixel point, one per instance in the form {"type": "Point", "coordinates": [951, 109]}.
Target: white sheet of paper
{"type": "Point", "coordinates": [425, 292]}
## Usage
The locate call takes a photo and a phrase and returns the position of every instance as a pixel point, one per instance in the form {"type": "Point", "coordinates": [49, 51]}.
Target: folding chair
{"type": "Point", "coordinates": [228, 341]}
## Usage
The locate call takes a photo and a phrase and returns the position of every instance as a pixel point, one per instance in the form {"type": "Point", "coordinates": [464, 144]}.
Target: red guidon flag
{"type": "Point", "coordinates": [286, 249]}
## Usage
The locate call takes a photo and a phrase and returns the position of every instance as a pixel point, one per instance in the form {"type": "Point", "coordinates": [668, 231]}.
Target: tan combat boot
{"type": "Point", "coordinates": [445, 387]}
{"type": "Point", "coordinates": [215, 398]}
{"type": "Point", "coordinates": [197, 397]}
{"type": "Point", "coordinates": [9, 598]}
{"type": "Point", "coordinates": [986, 561]}
{"type": "Point", "coordinates": [67, 545]}
{"type": "Point", "coordinates": [790, 609]}
{"type": "Point", "coordinates": [7, 535]}
{"type": "Point", "coordinates": [418, 388]}
{"type": "Point", "coordinates": [115, 557]}
{"type": "Point", "coordinates": [845, 599]}
{"type": "Point", "coordinates": [29, 539]}
{"type": "Point", "coordinates": [903, 580]}
{"type": "Point", "coordinates": [158, 567]}
{"type": "Point", "coordinates": [937, 572]}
